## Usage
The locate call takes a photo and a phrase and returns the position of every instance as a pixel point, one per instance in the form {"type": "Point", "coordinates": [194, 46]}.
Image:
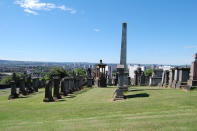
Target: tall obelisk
{"type": "Point", "coordinates": [122, 67]}
{"type": "Point", "coordinates": [123, 56]}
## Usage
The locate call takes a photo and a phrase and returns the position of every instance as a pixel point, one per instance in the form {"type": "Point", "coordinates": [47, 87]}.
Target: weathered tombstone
{"type": "Point", "coordinates": [165, 79]}
{"type": "Point", "coordinates": [122, 68]}
{"type": "Point", "coordinates": [13, 94]}
{"type": "Point", "coordinates": [66, 84]}
{"type": "Point", "coordinates": [176, 77]}
{"type": "Point", "coordinates": [156, 77]}
{"type": "Point", "coordinates": [35, 84]}
{"type": "Point", "coordinates": [48, 92]}
{"type": "Point", "coordinates": [22, 89]}
{"type": "Point", "coordinates": [28, 84]}
{"type": "Point", "coordinates": [109, 76]}
{"type": "Point", "coordinates": [183, 77]}
{"type": "Point", "coordinates": [89, 79]}
{"type": "Point", "coordinates": [56, 92]}
{"type": "Point", "coordinates": [61, 85]}
{"type": "Point", "coordinates": [192, 82]}
{"type": "Point", "coordinates": [171, 77]}
{"type": "Point", "coordinates": [139, 78]}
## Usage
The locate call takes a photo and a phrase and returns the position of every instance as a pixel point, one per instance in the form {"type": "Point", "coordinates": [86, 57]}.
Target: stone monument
{"type": "Point", "coordinates": [14, 93]}
{"type": "Point", "coordinates": [100, 78]}
{"type": "Point", "coordinates": [56, 93]}
{"type": "Point", "coordinates": [122, 67]}
{"type": "Point", "coordinates": [192, 82]}
{"type": "Point", "coordinates": [48, 92]}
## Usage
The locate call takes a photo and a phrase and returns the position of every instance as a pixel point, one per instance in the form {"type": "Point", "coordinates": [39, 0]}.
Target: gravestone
{"type": "Point", "coordinates": [122, 68]}
{"type": "Point", "coordinates": [109, 76]}
{"type": "Point", "coordinates": [183, 77]}
{"type": "Point", "coordinates": [48, 91]}
{"type": "Point", "coordinates": [13, 94]}
{"type": "Point", "coordinates": [35, 84]}
{"type": "Point", "coordinates": [66, 85]}
{"type": "Point", "coordinates": [89, 77]}
{"type": "Point", "coordinates": [63, 87]}
{"type": "Point", "coordinates": [192, 82]}
{"type": "Point", "coordinates": [56, 92]}
{"type": "Point", "coordinates": [156, 78]}
{"type": "Point", "coordinates": [171, 77]}
{"type": "Point", "coordinates": [139, 78]}
{"type": "Point", "coordinates": [165, 79]}
{"type": "Point", "coordinates": [28, 84]}
{"type": "Point", "coordinates": [22, 89]}
{"type": "Point", "coordinates": [176, 77]}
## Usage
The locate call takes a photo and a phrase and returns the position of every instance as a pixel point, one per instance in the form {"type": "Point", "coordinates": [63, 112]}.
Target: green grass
{"type": "Point", "coordinates": [93, 109]}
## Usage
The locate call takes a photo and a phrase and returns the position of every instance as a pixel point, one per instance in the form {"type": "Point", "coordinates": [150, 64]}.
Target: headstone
{"type": "Point", "coordinates": [156, 77]}
{"type": "Point", "coordinates": [66, 85]}
{"type": "Point", "coordinates": [139, 78]}
{"type": "Point", "coordinates": [171, 77]}
{"type": "Point", "coordinates": [56, 92]}
{"type": "Point", "coordinates": [35, 84]}
{"type": "Point", "coordinates": [28, 84]}
{"type": "Point", "coordinates": [48, 92]}
{"type": "Point", "coordinates": [109, 76]}
{"type": "Point", "coordinates": [176, 77]}
{"type": "Point", "coordinates": [13, 94]}
{"type": "Point", "coordinates": [165, 79]}
{"type": "Point", "coordinates": [89, 77]}
{"type": "Point", "coordinates": [183, 77]}
{"type": "Point", "coordinates": [22, 89]}
{"type": "Point", "coordinates": [122, 68]}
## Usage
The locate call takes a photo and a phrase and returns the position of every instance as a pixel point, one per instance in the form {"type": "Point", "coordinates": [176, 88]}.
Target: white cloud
{"type": "Point", "coordinates": [97, 30]}
{"type": "Point", "coordinates": [33, 6]}
{"type": "Point", "coordinates": [191, 47]}
{"type": "Point", "coordinates": [30, 11]}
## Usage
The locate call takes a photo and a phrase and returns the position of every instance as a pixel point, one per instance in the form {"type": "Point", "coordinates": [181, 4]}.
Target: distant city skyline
{"type": "Point", "coordinates": [159, 32]}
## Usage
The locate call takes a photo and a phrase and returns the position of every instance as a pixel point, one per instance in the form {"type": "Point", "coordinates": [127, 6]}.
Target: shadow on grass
{"type": "Point", "coordinates": [131, 90]}
{"type": "Point", "coordinates": [70, 96]}
{"type": "Point", "coordinates": [60, 100]}
{"type": "Point", "coordinates": [137, 95]}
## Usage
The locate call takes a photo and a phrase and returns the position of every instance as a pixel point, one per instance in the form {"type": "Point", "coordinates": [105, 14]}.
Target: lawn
{"type": "Point", "coordinates": [147, 108]}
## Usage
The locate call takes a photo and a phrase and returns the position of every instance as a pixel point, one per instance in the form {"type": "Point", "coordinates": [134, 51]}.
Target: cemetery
{"type": "Point", "coordinates": [132, 98]}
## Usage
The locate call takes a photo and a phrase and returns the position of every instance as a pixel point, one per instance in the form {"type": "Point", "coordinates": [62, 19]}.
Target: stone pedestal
{"type": "Point", "coordinates": [118, 94]}
{"type": "Point", "coordinates": [56, 92]}
{"type": "Point", "coordinates": [48, 92]}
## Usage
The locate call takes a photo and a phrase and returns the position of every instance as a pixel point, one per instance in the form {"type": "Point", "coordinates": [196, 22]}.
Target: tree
{"type": "Point", "coordinates": [57, 71]}
{"type": "Point", "coordinates": [148, 72]}
{"type": "Point", "coordinates": [80, 71]}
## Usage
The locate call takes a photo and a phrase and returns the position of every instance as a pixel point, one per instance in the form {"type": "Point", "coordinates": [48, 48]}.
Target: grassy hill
{"type": "Point", "coordinates": [93, 109]}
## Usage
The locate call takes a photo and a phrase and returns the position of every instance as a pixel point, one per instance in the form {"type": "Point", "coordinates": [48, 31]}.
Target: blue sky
{"type": "Point", "coordinates": [159, 31]}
